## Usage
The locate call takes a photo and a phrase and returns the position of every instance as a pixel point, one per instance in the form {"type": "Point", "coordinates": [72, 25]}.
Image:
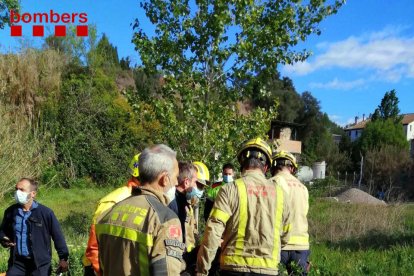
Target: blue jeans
{"type": "Point", "coordinates": [299, 258]}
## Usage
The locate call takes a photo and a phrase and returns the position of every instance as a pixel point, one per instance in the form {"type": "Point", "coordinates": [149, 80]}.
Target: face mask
{"type": "Point", "coordinates": [21, 197]}
{"type": "Point", "coordinates": [171, 191]}
{"type": "Point", "coordinates": [227, 178]}
{"type": "Point", "coordinates": [195, 192]}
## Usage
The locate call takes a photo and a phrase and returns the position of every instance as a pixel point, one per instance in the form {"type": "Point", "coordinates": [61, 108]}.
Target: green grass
{"type": "Point", "coordinates": [345, 239]}
{"type": "Point", "coordinates": [74, 209]}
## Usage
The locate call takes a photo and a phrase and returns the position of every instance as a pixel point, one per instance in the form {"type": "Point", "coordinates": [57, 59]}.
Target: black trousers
{"type": "Point", "coordinates": [26, 267]}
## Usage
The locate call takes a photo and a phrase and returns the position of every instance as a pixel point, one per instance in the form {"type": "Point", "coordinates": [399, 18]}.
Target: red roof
{"type": "Point", "coordinates": [408, 118]}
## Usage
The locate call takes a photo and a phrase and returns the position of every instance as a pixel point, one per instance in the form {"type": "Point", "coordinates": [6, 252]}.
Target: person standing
{"type": "Point", "coordinates": [211, 193]}
{"type": "Point", "coordinates": [250, 219]}
{"type": "Point", "coordinates": [141, 235]}
{"type": "Point", "coordinates": [27, 230]}
{"type": "Point", "coordinates": [296, 251]}
{"type": "Point", "coordinates": [90, 259]}
{"type": "Point", "coordinates": [189, 192]}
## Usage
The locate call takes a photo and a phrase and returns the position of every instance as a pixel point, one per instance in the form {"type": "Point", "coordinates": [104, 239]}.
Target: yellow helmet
{"type": "Point", "coordinates": [203, 175]}
{"type": "Point", "coordinates": [256, 143]}
{"type": "Point", "coordinates": [286, 156]}
{"type": "Point", "coordinates": [133, 166]}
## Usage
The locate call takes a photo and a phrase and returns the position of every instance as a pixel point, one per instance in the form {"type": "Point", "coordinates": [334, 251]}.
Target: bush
{"type": "Point", "coordinates": [23, 152]}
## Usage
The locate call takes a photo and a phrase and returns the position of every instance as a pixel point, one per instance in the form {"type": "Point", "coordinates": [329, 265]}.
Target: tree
{"type": "Point", "coordinates": [225, 41]}
{"type": "Point", "coordinates": [209, 52]}
{"type": "Point", "coordinates": [384, 169]}
{"type": "Point", "coordinates": [281, 90]}
{"type": "Point", "coordinates": [5, 7]}
{"type": "Point", "coordinates": [381, 133]}
{"type": "Point", "coordinates": [388, 109]}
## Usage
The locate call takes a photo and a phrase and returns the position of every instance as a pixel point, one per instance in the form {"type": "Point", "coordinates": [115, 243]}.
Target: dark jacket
{"type": "Point", "coordinates": [42, 226]}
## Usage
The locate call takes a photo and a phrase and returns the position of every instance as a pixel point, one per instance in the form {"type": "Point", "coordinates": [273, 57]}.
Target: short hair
{"type": "Point", "coordinates": [33, 183]}
{"type": "Point", "coordinates": [252, 162]}
{"type": "Point", "coordinates": [155, 160]}
{"type": "Point", "coordinates": [228, 166]}
{"type": "Point", "coordinates": [187, 170]}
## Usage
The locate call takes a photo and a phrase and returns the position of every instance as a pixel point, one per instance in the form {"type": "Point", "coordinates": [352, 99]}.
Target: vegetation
{"type": "Point", "coordinates": [384, 146]}
{"type": "Point", "coordinates": [5, 7]}
{"type": "Point", "coordinates": [375, 240]}
{"type": "Point", "coordinates": [73, 114]}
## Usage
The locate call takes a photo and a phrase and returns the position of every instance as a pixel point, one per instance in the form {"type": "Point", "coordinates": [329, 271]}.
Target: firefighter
{"type": "Point", "coordinates": [203, 180]}
{"type": "Point", "coordinates": [211, 192]}
{"type": "Point", "coordinates": [141, 235]}
{"type": "Point", "coordinates": [189, 192]}
{"type": "Point", "coordinates": [296, 251]}
{"type": "Point", "coordinates": [90, 259]}
{"type": "Point", "coordinates": [252, 217]}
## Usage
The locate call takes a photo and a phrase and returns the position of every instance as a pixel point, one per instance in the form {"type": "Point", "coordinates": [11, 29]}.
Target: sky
{"type": "Point", "coordinates": [364, 50]}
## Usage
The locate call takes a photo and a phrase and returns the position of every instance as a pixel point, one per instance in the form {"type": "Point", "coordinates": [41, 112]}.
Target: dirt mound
{"type": "Point", "coordinates": [354, 195]}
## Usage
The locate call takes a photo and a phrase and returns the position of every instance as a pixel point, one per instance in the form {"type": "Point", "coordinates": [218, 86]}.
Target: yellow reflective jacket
{"type": "Point", "coordinates": [252, 216]}
{"type": "Point", "coordinates": [299, 205]}
{"type": "Point", "coordinates": [91, 256]}
{"type": "Point", "coordinates": [140, 236]}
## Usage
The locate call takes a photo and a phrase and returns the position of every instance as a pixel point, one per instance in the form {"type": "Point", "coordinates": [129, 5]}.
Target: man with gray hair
{"type": "Point", "coordinates": [141, 235]}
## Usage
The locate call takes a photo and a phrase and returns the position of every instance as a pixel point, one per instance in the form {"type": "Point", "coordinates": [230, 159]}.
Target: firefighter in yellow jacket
{"type": "Point", "coordinates": [141, 235]}
{"type": "Point", "coordinates": [296, 251]}
{"type": "Point", "coordinates": [91, 257]}
{"type": "Point", "coordinates": [251, 215]}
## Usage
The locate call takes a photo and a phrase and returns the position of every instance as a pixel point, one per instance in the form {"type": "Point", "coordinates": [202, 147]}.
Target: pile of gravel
{"type": "Point", "coordinates": [354, 195]}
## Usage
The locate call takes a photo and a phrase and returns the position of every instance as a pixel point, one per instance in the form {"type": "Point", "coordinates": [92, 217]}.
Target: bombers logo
{"type": "Point", "coordinates": [38, 20]}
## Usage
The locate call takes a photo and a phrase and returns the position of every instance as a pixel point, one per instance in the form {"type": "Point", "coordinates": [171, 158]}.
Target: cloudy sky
{"type": "Point", "coordinates": [364, 51]}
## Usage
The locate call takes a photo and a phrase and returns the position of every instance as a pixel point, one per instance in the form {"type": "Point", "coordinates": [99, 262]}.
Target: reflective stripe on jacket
{"type": "Point", "coordinates": [253, 218]}
{"type": "Point", "coordinates": [91, 256]}
{"type": "Point", "coordinates": [299, 202]}
{"type": "Point", "coordinates": [140, 236]}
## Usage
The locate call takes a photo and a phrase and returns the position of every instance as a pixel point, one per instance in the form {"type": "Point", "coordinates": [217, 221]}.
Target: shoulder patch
{"type": "Point", "coordinates": [175, 243]}
{"type": "Point", "coordinates": [174, 231]}
{"type": "Point", "coordinates": [175, 254]}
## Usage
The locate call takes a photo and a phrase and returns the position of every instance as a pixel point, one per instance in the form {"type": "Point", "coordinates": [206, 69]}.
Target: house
{"type": "Point", "coordinates": [355, 130]}
{"type": "Point", "coordinates": [284, 134]}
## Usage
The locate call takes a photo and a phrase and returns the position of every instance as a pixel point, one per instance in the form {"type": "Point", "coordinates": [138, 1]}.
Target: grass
{"type": "Point", "coordinates": [74, 209]}
{"type": "Point", "coordinates": [345, 239]}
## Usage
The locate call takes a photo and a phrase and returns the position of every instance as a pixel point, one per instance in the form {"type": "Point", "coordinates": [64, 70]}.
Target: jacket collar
{"type": "Point", "coordinates": [253, 172]}
{"type": "Point", "coordinates": [148, 190]}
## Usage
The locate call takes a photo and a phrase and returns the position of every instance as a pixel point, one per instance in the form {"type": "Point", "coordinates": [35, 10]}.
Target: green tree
{"type": "Point", "coordinates": [198, 131]}
{"type": "Point", "coordinates": [380, 133]}
{"type": "Point", "coordinates": [209, 52]}
{"type": "Point", "coordinates": [5, 7]}
{"type": "Point", "coordinates": [388, 109]}
{"type": "Point", "coordinates": [385, 127]}
{"type": "Point", "coordinates": [225, 41]}
{"type": "Point", "coordinates": [281, 90]}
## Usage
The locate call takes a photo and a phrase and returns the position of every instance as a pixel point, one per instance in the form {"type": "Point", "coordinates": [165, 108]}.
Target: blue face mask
{"type": "Point", "coordinates": [195, 192]}
{"type": "Point", "coordinates": [227, 178]}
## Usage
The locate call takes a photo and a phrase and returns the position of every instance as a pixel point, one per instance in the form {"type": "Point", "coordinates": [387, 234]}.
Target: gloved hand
{"type": "Point", "coordinates": [6, 242]}
{"type": "Point", "coordinates": [62, 267]}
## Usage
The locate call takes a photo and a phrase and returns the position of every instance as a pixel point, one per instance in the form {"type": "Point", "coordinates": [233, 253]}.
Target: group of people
{"type": "Point", "coordinates": [150, 226]}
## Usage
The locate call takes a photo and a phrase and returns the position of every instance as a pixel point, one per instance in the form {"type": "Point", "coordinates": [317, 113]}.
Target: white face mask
{"type": "Point", "coordinates": [21, 197]}
{"type": "Point", "coordinates": [171, 191]}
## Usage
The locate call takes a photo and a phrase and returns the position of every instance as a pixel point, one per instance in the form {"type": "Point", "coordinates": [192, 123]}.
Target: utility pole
{"type": "Point", "coordinates": [360, 172]}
